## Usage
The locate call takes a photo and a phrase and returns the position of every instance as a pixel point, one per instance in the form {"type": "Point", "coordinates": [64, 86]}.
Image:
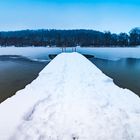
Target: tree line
{"type": "Point", "coordinates": [68, 38]}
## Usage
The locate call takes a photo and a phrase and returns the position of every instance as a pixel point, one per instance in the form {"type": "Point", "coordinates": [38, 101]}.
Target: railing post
{"type": "Point", "coordinates": [75, 49]}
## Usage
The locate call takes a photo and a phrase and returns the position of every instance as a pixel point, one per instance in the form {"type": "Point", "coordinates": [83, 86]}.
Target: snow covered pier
{"type": "Point", "coordinates": [71, 100]}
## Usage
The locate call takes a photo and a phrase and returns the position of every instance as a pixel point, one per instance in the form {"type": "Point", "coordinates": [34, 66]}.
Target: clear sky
{"type": "Point", "coordinates": [114, 15]}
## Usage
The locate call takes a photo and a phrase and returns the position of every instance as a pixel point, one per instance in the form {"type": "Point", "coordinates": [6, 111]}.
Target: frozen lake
{"type": "Point", "coordinates": [121, 64]}
{"type": "Point", "coordinates": [125, 72]}
{"type": "Point", "coordinates": [15, 74]}
{"type": "Point", "coordinates": [41, 53]}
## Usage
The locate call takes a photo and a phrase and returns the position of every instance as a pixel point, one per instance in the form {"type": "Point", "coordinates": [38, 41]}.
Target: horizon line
{"type": "Point", "coordinates": [18, 30]}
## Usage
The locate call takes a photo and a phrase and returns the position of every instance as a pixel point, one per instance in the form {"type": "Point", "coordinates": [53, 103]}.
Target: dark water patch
{"type": "Point", "coordinates": [52, 56]}
{"type": "Point", "coordinates": [20, 58]}
{"type": "Point", "coordinates": [124, 72]}
{"type": "Point", "coordinates": [88, 56]}
{"type": "Point", "coordinates": [13, 57]}
{"type": "Point", "coordinates": [15, 73]}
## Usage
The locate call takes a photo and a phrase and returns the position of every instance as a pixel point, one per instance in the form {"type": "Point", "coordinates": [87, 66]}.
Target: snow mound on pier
{"type": "Point", "coordinates": [71, 100]}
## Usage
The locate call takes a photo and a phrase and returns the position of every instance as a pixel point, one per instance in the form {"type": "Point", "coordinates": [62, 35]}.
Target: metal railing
{"type": "Point", "coordinates": [73, 49]}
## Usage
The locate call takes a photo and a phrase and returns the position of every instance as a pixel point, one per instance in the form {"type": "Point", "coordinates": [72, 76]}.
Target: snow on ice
{"type": "Point", "coordinates": [41, 53]}
{"type": "Point", "coordinates": [71, 100]}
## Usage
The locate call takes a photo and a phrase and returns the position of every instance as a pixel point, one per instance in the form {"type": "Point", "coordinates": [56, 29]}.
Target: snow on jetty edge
{"type": "Point", "coordinates": [71, 100]}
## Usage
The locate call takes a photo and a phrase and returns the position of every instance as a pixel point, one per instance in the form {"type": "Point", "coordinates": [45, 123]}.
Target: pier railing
{"type": "Point", "coordinates": [73, 49]}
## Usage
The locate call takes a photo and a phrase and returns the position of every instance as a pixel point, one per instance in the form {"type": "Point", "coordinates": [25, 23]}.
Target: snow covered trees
{"type": "Point", "coordinates": [68, 38]}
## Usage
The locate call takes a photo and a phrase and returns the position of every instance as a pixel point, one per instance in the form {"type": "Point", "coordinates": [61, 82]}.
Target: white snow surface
{"type": "Point", "coordinates": [41, 53]}
{"type": "Point", "coordinates": [33, 53]}
{"type": "Point", "coordinates": [71, 100]}
{"type": "Point", "coordinates": [112, 53]}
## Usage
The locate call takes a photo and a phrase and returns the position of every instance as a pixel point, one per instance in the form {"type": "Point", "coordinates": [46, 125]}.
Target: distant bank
{"type": "Point", "coordinates": [69, 38]}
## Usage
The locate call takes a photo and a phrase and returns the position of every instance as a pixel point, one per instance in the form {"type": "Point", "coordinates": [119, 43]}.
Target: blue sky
{"type": "Point", "coordinates": [114, 15]}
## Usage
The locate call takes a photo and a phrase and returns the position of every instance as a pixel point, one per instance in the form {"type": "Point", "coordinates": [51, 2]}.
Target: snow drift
{"type": "Point", "coordinates": [71, 100]}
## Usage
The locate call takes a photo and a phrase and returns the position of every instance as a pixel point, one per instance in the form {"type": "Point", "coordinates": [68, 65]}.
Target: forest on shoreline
{"type": "Point", "coordinates": [69, 38]}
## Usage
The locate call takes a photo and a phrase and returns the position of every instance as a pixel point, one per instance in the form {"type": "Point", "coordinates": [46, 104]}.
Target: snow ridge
{"type": "Point", "coordinates": [71, 100]}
